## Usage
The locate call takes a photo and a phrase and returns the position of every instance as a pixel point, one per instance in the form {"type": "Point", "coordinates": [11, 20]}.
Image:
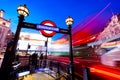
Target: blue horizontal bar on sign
{"type": "Point", "coordinates": [50, 28]}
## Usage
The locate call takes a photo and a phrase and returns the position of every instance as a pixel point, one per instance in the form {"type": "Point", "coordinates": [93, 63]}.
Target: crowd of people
{"type": "Point", "coordinates": [36, 60]}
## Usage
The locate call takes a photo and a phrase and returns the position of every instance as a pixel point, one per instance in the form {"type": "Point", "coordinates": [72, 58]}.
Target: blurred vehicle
{"type": "Point", "coordinates": [112, 57]}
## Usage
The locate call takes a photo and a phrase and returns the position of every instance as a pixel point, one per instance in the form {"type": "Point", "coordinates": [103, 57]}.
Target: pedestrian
{"type": "Point", "coordinates": [34, 59]}
{"type": "Point", "coordinates": [41, 58]}
{"type": "Point", "coordinates": [41, 55]}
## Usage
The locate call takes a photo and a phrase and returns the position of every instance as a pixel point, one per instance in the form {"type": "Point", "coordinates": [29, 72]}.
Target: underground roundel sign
{"type": "Point", "coordinates": [46, 32]}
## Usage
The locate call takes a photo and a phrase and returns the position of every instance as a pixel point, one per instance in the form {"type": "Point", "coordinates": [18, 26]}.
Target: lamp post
{"type": "Point", "coordinates": [69, 22]}
{"type": "Point", "coordinates": [9, 56]}
{"type": "Point", "coordinates": [23, 11]}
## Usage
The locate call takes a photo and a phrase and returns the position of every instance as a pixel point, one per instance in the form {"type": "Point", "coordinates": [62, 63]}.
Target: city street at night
{"type": "Point", "coordinates": [60, 40]}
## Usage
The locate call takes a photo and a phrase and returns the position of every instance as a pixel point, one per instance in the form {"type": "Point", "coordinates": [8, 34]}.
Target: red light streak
{"type": "Point", "coordinates": [85, 40]}
{"type": "Point", "coordinates": [109, 73]}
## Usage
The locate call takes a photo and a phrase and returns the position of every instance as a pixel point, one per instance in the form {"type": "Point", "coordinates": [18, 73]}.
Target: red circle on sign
{"type": "Point", "coordinates": [48, 33]}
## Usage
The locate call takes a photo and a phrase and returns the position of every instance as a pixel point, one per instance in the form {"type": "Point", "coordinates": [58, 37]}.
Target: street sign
{"type": "Point", "coordinates": [49, 29]}
{"type": "Point", "coordinates": [65, 31]}
{"type": "Point", "coordinates": [45, 27]}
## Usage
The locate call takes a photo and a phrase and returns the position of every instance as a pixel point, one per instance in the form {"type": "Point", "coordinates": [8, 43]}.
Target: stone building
{"type": "Point", "coordinates": [5, 32]}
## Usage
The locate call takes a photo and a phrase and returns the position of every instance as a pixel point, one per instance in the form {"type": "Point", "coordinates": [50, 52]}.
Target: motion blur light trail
{"type": "Point", "coordinates": [106, 72]}
{"type": "Point", "coordinates": [91, 20]}
{"type": "Point", "coordinates": [87, 31]}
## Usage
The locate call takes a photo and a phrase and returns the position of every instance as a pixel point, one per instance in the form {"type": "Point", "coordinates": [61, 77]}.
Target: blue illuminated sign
{"type": "Point", "coordinates": [50, 28]}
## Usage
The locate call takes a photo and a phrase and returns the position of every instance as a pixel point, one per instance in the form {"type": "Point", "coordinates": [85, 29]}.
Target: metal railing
{"type": "Point", "coordinates": [59, 69]}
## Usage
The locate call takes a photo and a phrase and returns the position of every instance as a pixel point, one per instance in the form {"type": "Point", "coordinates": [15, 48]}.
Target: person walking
{"type": "Point", "coordinates": [34, 60]}
{"type": "Point", "coordinates": [41, 58]}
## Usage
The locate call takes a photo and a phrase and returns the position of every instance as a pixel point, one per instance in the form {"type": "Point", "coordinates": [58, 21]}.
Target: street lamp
{"type": "Point", "coordinates": [9, 56]}
{"type": "Point", "coordinates": [22, 11]}
{"type": "Point", "coordinates": [69, 22]}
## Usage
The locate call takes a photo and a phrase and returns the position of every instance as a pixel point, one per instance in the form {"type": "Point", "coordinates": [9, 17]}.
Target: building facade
{"type": "Point", "coordinates": [5, 32]}
{"type": "Point", "coordinates": [6, 35]}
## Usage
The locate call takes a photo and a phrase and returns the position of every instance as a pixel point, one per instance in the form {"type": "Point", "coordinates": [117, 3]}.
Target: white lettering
{"type": "Point", "coordinates": [50, 28]}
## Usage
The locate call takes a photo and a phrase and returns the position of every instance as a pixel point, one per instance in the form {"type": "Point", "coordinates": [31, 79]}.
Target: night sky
{"type": "Point", "coordinates": [58, 10]}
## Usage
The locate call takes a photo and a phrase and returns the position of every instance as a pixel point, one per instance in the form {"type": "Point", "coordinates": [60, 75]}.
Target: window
{"type": "Point", "coordinates": [4, 23]}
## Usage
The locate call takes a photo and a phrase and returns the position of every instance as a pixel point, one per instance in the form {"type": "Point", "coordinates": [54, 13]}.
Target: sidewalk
{"type": "Point", "coordinates": [38, 76]}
